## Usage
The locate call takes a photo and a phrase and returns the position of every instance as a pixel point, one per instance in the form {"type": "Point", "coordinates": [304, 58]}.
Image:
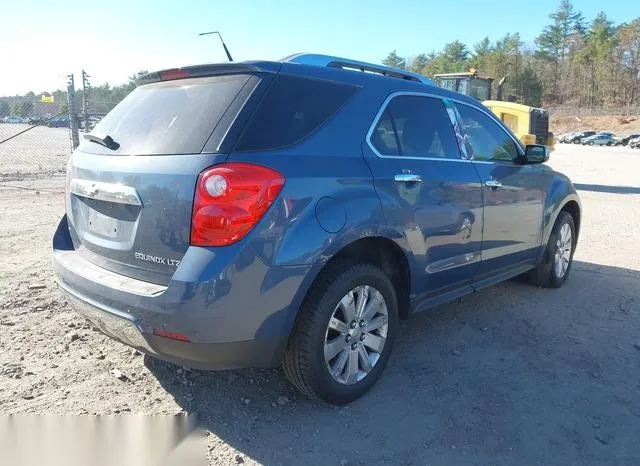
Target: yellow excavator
{"type": "Point", "coordinates": [529, 124]}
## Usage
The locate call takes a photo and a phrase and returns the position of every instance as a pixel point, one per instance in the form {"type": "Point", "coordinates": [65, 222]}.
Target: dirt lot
{"type": "Point", "coordinates": [39, 151]}
{"type": "Point", "coordinates": [619, 125]}
{"type": "Point", "coordinates": [511, 375]}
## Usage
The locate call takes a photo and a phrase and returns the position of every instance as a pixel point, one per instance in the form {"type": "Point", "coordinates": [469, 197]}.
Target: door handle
{"type": "Point", "coordinates": [407, 178]}
{"type": "Point", "coordinates": [493, 184]}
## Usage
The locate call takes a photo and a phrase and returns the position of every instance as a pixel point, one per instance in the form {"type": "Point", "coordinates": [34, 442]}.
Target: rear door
{"type": "Point", "coordinates": [129, 206]}
{"type": "Point", "coordinates": [513, 194]}
{"type": "Point", "coordinates": [430, 195]}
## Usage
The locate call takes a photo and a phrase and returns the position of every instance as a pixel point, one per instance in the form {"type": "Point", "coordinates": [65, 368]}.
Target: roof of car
{"type": "Point", "coordinates": [319, 66]}
{"type": "Point", "coordinates": [355, 65]}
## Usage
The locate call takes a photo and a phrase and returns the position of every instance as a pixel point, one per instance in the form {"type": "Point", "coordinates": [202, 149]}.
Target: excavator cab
{"type": "Point", "coordinates": [468, 83]}
{"type": "Point", "coordinates": [529, 124]}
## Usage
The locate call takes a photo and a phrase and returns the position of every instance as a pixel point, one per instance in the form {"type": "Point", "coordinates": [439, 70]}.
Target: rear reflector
{"type": "Point", "coordinates": [171, 335]}
{"type": "Point", "coordinates": [230, 200]}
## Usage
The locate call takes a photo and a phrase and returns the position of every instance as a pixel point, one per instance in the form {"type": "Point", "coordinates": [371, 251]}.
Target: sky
{"type": "Point", "coordinates": [41, 41]}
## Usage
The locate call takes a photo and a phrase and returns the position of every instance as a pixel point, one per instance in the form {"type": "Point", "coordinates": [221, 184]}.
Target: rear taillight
{"type": "Point", "coordinates": [229, 201]}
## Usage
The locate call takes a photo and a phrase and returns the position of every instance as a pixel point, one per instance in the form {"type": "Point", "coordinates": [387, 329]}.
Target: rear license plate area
{"type": "Point", "coordinates": [103, 225]}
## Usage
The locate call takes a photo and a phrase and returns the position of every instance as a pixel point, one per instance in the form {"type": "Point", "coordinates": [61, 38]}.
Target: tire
{"type": "Point", "coordinates": [304, 361]}
{"type": "Point", "coordinates": [546, 273]}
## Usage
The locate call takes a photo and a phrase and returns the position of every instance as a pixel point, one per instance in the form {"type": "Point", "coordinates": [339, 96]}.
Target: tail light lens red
{"type": "Point", "coordinates": [230, 200]}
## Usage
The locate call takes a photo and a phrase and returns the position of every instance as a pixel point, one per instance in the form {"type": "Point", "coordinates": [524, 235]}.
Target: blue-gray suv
{"type": "Point", "coordinates": [290, 213]}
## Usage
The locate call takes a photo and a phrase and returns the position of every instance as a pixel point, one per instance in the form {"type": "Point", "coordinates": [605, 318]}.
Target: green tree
{"type": "Point", "coordinates": [555, 38]}
{"type": "Point", "coordinates": [394, 60]}
{"type": "Point", "coordinates": [481, 51]}
{"type": "Point", "coordinates": [597, 58]}
{"type": "Point", "coordinates": [628, 39]}
{"type": "Point", "coordinates": [22, 107]}
{"type": "Point", "coordinates": [457, 54]}
{"type": "Point", "coordinates": [419, 63]}
{"type": "Point", "coordinates": [554, 41]}
{"type": "Point", "coordinates": [5, 108]}
{"type": "Point", "coordinates": [530, 86]}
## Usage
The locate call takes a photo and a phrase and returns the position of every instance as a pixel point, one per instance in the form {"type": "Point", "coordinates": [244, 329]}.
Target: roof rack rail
{"type": "Point", "coordinates": [348, 64]}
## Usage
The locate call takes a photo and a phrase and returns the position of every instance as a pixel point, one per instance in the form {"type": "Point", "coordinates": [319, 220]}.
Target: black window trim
{"type": "Point", "coordinates": [487, 112]}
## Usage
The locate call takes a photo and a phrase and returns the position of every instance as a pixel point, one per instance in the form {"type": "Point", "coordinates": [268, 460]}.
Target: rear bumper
{"type": "Point", "coordinates": [237, 314]}
{"type": "Point", "coordinates": [205, 356]}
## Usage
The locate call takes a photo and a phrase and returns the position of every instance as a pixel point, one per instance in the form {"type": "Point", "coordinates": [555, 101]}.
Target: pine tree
{"type": "Point", "coordinates": [394, 60]}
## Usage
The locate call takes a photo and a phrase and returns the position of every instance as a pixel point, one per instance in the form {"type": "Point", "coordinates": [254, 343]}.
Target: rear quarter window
{"type": "Point", "coordinates": [170, 117]}
{"type": "Point", "coordinates": [293, 108]}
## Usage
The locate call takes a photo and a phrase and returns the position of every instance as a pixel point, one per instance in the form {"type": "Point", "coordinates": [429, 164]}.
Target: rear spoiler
{"type": "Point", "coordinates": [216, 69]}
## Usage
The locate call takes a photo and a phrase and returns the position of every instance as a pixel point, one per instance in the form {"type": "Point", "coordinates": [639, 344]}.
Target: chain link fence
{"type": "Point", "coordinates": [34, 137]}
{"type": "Point", "coordinates": [37, 134]}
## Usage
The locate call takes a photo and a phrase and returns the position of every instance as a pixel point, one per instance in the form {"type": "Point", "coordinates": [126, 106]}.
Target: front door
{"type": "Point", "coordinates": [512, 192]}
{"type": "Point", "coordinates": [430, 196]}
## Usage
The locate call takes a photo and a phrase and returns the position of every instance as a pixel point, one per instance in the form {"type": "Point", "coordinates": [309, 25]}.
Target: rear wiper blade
{"type": "Point", "coordinates": [106, 141]}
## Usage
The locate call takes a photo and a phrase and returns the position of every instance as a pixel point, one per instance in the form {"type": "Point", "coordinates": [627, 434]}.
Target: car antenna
{"type": "Point", "coordinates": [226, 50]}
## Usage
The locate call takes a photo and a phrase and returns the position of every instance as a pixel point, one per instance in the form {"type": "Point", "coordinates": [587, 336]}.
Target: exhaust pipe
{"type": "Point", "coordinates": [500, 90]}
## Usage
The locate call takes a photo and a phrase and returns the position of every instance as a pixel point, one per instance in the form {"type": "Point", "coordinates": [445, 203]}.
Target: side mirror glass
{"type": "Point", "coordinates": [536, 153]}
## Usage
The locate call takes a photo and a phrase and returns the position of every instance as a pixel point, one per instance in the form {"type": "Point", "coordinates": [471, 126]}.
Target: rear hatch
{"type": "Point", "coordinates": [129, 204]}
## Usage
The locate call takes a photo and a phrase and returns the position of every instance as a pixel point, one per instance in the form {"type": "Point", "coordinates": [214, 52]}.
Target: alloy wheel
{"type": "Point", "coordinates": [563, 251]}
{"type": "Point", "coordinates": [356, 335]}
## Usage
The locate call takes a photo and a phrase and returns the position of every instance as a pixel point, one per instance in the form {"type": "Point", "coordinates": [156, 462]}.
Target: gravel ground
{"type": "Point", "coordinates": [513, 374]}
{"type": "Point", "coordinates": [39, 151]}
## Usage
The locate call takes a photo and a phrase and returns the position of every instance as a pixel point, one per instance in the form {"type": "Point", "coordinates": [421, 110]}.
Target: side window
{"type": "Point", "coordinates": [415, 126]}
{"type": "Point", "coordinates": [485, 139]}
{"type": "Point", "coordinates": [293, 108]}
{"type": "Point", "coordinates": [385, 137]}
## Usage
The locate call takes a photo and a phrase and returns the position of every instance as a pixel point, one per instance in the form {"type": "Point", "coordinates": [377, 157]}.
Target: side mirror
{"type": "Point", "coordinates": [536, 153]}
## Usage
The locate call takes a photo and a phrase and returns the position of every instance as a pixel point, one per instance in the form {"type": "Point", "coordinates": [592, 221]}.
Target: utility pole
{"type": "Point", "coordinates": [226, 50]}
{"type": "Point", "coordinates": [85, 86]}
{"type": "Point", "coordinates": [73, 121]}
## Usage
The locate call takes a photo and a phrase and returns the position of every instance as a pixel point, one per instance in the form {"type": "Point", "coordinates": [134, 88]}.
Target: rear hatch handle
{"type": "Point", "coordinates": [108, 192]}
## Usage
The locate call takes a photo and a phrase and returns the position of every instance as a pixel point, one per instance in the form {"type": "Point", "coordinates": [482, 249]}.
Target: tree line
{"type": "Point", "coordinates": [572, 62]}
{"type": "Point", "coordinates": [100, 99]}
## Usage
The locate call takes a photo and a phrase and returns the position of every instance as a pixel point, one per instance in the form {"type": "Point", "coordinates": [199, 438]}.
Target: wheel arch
{"type": "Point", "coordinates": [376, 250]}
{"type": "Point", "coordinates": [573, 208]}
{"type": "Point", "coordinates": [562, 198]}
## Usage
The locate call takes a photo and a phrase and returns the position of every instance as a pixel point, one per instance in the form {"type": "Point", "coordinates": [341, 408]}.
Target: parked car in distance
{"type": "Point", "coordinates": [13, 120]}
{"type": "Point", "coordinates": [624, 140]}
{"type": "Point", "coordinates": [93, 121]}
{"type": "Point", "coordinates": [562, 137]}
{"type": "Point", "coordinates": [577, 137]}
{"type": "Point", "coordinates": [634, 143]}
{"type": "Point", "coordinates": [600, 139]}
{"type": "Point", "coordinates": [291, 212]}
{"type": "Point", "coordinates": [59, 122]}
{"type": "Point", "coordinates": [41, 120]}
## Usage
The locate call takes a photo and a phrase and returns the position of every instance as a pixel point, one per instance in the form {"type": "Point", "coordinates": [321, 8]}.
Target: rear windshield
{"type": "Point", "coordinates": [293, 108]}
{"type": "Point", "coordinates": [171, 117]}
